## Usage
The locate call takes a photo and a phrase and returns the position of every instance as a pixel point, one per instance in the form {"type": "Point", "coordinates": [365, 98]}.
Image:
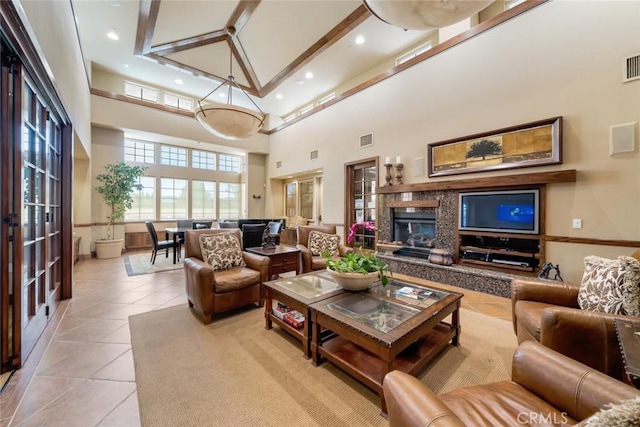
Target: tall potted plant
{"type": "Point", "coordinates": [116, 186]}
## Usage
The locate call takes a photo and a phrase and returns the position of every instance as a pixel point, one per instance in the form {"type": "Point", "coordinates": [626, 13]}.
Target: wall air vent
{"type": "Point", "coordinates": [366, 140]}
{"type": "Point", "coordinates": [278, 164]}
{"type": "Point", "coordinates": [631, 68]}
{"type": "Point", "coordinates": [313, 155]}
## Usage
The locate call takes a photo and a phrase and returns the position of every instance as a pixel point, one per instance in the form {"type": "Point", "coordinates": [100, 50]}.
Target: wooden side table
{"type": "Point", "coordinates": [283, 259]}
{"type": "Point", "coordinates": [629, 338]}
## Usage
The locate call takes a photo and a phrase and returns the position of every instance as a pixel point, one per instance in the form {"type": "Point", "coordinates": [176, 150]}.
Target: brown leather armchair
{"type": "Point", "coordinates": [548, 312]}
{"type": "Point", "coordinates": [213, 292]}
{"type": "Point", "coordinates": [309, 261]}
{"type": "Point", "coordinates": [544, 385]}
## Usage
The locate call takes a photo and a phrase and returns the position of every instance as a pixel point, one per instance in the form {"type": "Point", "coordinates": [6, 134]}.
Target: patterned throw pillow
{"type": "Point", "coordinates": [321, 242]}
{"type": "Point", "coordinates": [221, 251]}
{"type": "Point", "coordinates": [624, 414]}
{"type": "Point", "coordinates": [612, 286]}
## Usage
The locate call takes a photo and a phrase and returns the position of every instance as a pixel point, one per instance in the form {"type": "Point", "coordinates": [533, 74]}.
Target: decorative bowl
{"type": "Point", "coordinates": [353, 281]}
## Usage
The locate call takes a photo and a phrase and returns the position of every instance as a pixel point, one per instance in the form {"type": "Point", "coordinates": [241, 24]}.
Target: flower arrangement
{"type": "Point", "coordinates": [360, 261]}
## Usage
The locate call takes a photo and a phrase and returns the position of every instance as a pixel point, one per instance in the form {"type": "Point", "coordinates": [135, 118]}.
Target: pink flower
{"type": "Point", "coordinates": [352, 231]}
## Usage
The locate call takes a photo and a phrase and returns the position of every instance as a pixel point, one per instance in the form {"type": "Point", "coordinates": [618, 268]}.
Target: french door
{"type": "Point", "coordinates": [35, 226]}
{"type": "Point", "coordinates": [361, 200]}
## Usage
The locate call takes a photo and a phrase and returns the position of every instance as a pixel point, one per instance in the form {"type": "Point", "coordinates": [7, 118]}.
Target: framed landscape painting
{"type": "Point", "coordinates": [531, 144]}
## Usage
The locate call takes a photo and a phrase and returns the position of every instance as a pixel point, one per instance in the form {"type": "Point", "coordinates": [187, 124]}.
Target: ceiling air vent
{"type": "Point", "coordinates": [631, 70]}
{"type": "Point", "coordinates": [366, 140]}
{"type": "Point", "coordinates": [278, 164]}
{"type": "Point", "coordinates": [313, 155]}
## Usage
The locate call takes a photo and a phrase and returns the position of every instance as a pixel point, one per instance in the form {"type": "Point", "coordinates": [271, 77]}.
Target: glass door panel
{"type": "Point", "coordinates": [362, 201]}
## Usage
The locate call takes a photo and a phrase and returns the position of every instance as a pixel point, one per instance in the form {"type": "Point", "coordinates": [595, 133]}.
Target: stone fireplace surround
{"type": "Point", "coordinates": [487, 281]}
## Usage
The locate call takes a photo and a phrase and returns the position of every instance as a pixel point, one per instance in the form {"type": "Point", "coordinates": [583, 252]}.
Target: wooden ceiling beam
{"type": "Point", "coordinates": [243, 61]}
{"type": "Point", "coordinates": [147, 17]}
{"type": "Point", "coordinates": [241, 14]}
{"type": "Point", "coordinates": [356, 18]}
{"type": "Point", "coordinates": [190, 43]}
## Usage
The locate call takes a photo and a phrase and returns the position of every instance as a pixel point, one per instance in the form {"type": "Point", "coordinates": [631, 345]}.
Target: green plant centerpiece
{"type": "Point", "coordinates": [358, 269]}
{"type": "Point", "coordinates": [116, 186]}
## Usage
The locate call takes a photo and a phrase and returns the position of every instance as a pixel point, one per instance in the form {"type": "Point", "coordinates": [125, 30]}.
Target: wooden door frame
{"type": "Point", "coordinates": [349, 168]}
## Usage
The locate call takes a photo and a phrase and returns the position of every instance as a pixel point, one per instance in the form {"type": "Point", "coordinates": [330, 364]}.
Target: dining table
{"type": "Point", "coordinates": [178, 237]}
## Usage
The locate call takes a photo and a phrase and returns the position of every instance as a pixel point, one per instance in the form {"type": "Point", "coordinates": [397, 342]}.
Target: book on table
{"type": "Point", "coordinates": [294, 318]}
{"type": "Point", "coordinates": [414, 293]}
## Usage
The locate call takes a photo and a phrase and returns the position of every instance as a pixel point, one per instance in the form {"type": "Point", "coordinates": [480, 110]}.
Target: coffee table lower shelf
{"type": "Point", "coordinates": [368, 368]}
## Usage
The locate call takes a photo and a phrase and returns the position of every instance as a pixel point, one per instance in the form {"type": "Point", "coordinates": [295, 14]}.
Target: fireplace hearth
{"type": "Point", "coordinates": [416, 231]}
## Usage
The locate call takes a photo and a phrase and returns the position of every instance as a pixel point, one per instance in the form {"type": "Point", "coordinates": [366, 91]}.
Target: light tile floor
{"type": "Point", "coordinates": [86, 375]}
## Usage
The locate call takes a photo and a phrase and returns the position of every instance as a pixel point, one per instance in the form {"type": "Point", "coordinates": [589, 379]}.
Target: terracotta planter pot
{"type": "Point", "coordinates": [354, 281]}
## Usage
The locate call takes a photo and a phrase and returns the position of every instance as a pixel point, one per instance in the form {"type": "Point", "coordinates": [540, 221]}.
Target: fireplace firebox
{"type": "Point", "coordinates": [416, 231]}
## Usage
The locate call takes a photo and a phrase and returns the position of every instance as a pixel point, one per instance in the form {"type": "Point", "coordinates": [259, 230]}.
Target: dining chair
{"type": "Point", "coordinates": [201, 225]}
{"type": "Point", "coordinates": [160, 245]}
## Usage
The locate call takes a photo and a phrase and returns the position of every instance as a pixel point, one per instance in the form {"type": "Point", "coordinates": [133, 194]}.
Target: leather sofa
{"type": "Point", "coordinates": [314, 262]}
{"type": "Point", "coordinates": [546, 388]}
{"type": "Point", "coordinates": [211, 292]}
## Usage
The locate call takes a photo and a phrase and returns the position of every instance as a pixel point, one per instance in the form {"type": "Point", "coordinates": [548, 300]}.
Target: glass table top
{"type": "Point", "coordinates": [375, 312]}
{"type": "Point", "coordinates": [311, 286]}
{"type": "Point", "coordinates": [408, 293]}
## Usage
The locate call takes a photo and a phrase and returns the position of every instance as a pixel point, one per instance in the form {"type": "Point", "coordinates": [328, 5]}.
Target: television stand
{"type": "Point", "coordinates": [500, 250]}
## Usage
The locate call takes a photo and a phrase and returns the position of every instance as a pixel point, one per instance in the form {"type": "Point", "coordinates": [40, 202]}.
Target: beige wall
{"type": "Point", "coordinates": [53, 25]}
{"type": "Point", "coordinates": [256, 172]}
{"type": "Point", "coordinates": [559, 59]}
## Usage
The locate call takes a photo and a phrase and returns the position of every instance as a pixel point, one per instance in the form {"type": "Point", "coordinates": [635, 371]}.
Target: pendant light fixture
{"type": "Point", "coordinates": [229, 121]}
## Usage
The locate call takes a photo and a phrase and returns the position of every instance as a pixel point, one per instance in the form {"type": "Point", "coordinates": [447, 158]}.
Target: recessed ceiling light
{"type": "Point", "coordinates": [124, 65]}
{"type": "Point", "coordinates": [279, 96]}
{"type": "Point", "coordinates": [113, 34]}
{"type": "Point", "coordinates": [114, 3]}
{"type": "Point", "coordinates": [222, 95]}
{"type": "Point", "coordinates": [309, 75]}
{"type": "Point", "coordinates": [178, 81]}
{"type": "Point", "coordinates": [299, 82]}
{"type": "Point", "coordinates": [359, 39]}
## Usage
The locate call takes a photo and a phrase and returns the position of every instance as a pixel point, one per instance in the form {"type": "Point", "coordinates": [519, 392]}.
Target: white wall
{"type": "Point", "coordinates": [562, 58]}
{"type": "Point", "coordinates": [53, 25]}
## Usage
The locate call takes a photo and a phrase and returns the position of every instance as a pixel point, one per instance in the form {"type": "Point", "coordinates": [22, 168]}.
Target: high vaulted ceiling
{"type": "Point", "coordinates": [273, 43]}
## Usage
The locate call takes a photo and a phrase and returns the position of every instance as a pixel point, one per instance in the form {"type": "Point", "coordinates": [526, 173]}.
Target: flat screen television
{"type": "Point", "coordinates": [512, 211]}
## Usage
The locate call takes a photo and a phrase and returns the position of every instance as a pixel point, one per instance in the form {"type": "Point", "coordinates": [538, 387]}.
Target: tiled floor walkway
{"type": "Point", "coordinates": [86, 376]}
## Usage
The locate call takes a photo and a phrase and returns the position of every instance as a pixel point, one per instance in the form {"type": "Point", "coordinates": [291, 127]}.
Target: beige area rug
{"type": "Point", "coordinates": [140, 263]}
{"type": "Point", "coordinates": [233, 372]}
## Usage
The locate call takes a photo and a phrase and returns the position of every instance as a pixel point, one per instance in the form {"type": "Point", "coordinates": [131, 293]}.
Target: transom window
{"type": "Point", "coordinates": [203, 199]}
{"type": "Point", "coordinates": [203, 160]}
{"type": "Point", "coordinates": [137, 91]}
{"type": "Point", "coordinates": [173, 156]}
{"type": "Point", "coordinates": [229, 163]}
{"type": "Point", "coordinates": [413, 53]}
{"type": "Point", "coordinates": [178, 101]}
{"type": "Point", "coordinates": [229, 195]}
{"type": "Point", "coordinates": [138, 151]}
{"type": "Point", "coordinates": [173, 198]}
{"type": "Point", "coordinates": [144, 201]}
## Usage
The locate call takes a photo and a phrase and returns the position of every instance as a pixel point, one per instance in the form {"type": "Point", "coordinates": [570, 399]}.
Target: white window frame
{"type": "Point", "coordinates": [182, 103]}
{"type": "Point", "coordinates": [134, 214]}
{"type": "Point", "coordinates": [289, 117]}
{"type": "Point", "coordinates": [306, 109]}
{"type": "Point", "coordinates": [172, 155]}
{"type": "Point", "coordinates": [223, 162]}
{"type": "Point", "coordinates": [147, 93]}
{"type": "Point", "coordinates": [327, 98]}
{"type": "Point", "coordinates": [414, 52]}
{"type": "Point", "coordinates": [139, 151]}
{"type": "Point", "coordinates": [203, 159]}
{"type": "Point", "coordinates": [164, 189]}
{"type": "Point", "coordinates": [512, 3]}
{"type": "Point", "coordinates": [209, 205]}
{"type": "Point", "coordinates": [228, 213]}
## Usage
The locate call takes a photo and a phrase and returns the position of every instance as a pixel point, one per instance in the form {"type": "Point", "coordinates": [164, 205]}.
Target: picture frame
{"type": "Point", "coordinates": [537, 143]}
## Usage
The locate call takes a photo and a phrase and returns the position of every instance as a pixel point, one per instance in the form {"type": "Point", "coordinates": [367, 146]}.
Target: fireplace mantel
{"type": "Point", "coordinates": [429, 203]}
{"type": "Point", "coordinates": [538, 178]}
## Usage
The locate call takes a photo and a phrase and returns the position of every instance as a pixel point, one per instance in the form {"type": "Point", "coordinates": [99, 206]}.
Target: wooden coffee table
{"type": "Point", "coordinates": [380, 330]}
{"type": "Point", "coordinates": [298, 293]}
